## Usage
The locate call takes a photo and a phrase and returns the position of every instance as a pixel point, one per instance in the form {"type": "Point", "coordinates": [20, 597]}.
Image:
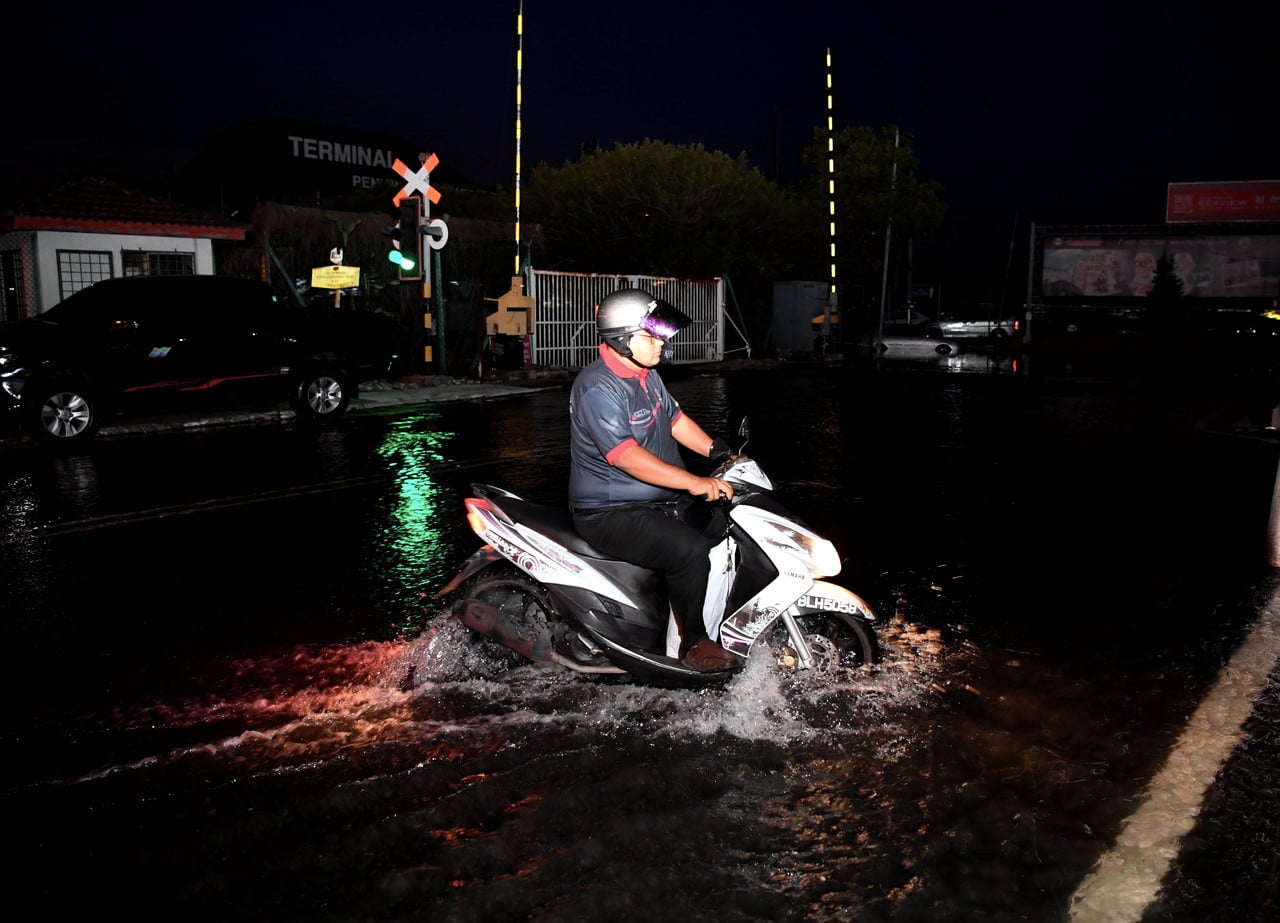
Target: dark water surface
{"type": "Point", "coordinates": [231, 696]}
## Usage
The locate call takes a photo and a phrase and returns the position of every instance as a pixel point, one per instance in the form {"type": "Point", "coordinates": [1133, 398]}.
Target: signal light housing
{"type": "Point", "coordinates": [406, 239]}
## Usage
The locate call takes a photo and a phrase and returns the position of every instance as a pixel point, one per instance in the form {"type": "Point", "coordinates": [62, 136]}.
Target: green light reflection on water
{"type": "Point", "coordinates": [415, 547]}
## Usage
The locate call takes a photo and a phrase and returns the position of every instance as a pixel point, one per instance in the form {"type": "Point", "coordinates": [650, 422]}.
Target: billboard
{"type": "Point", "coordinates": [1104, 266]}
{"type": "Point", "coordinates": [1245, 201]}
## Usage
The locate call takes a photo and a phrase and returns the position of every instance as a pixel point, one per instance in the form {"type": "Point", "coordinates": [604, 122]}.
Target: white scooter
{"type": "Point", "coordinates": [540, 590]}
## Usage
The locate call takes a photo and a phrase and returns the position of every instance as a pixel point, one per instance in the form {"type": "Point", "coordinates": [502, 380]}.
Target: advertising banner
{"type": "Point", "coordinates": [1124, 267]}
{"type": "Point", "coordinates": [1243, 201]}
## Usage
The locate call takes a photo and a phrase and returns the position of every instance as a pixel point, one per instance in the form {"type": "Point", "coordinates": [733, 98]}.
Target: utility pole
{"type": "Point", "coordinates": [888, 232]}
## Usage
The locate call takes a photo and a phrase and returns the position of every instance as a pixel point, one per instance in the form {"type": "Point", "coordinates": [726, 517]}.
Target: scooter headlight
{"type": "Point", "coordinates": [826, 562]}
{"type": "Point", "coordinates": [822, 558]}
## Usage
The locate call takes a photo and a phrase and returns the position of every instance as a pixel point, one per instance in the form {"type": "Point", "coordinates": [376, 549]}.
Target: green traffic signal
{"type": "Point", "coordinates": [406, 239]}
{"type": "Point", "coordinates": [410, 238]}
{"type": "Point", "coordinates": [404, 261]}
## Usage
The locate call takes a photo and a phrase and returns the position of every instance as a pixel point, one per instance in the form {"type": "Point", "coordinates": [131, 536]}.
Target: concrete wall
{"type": "Point", "coordinates": [49, 243]}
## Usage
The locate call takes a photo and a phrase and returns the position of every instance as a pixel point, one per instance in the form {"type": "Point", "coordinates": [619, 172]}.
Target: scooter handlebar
{"type": "Point", "coordinates": [744, 474]}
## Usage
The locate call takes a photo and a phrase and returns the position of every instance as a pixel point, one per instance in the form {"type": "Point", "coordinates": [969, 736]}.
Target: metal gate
{"type": "Point", "coordinates": [564, 316]}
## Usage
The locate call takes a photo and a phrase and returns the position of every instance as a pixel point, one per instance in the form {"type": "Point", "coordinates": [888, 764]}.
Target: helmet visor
{"type": "Point", "coordinates": [665, 320]}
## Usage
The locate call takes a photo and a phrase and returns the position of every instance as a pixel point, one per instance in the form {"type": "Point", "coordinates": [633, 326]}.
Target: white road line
{"type": "Point", "coordinates": [1126, 879]}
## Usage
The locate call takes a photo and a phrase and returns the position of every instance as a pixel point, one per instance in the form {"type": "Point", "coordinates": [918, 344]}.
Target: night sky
{"type": "Point", "coordinates": [1057, 114]}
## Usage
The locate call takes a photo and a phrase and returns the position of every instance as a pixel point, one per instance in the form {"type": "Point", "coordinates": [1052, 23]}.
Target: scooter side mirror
{"type": "Point", "coordinates": [744, 430]}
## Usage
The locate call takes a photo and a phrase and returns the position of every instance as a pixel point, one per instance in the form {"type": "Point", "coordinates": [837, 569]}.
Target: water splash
{"type": "Point", "coordinates": [449, 689]}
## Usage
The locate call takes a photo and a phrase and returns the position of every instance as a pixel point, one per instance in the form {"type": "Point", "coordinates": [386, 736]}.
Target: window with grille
{"type": "Point", "coordinates": [79, 269]}
{"type": "Point", "coordinates": [143, 263]}
{"type": "Point", "coordinates": [13, 289]}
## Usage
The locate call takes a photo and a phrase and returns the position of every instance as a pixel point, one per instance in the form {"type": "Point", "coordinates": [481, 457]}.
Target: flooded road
{"type": "Point", "coordinates": [232, 696]}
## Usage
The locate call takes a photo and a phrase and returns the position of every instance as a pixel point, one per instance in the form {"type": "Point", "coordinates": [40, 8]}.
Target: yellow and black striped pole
{"type": "Point", "coordinates": [519, 100]}
{"type": "Point", "coordinates": [832, 297]}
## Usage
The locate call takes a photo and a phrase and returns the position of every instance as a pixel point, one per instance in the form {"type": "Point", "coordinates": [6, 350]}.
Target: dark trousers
{"type": "Point", "coordinates": [661, 539]}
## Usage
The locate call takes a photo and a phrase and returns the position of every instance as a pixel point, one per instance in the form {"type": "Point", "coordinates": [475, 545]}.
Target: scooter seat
{"type": "Point", "coordinates": [551, 521]}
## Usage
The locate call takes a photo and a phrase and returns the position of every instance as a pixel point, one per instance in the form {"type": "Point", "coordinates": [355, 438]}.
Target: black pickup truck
{"type": "Point", "coordinates": [146, 344]}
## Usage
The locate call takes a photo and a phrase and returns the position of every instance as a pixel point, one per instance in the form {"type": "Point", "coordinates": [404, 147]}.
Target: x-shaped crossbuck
{"type": "Point", "coordinates": [417, 180]}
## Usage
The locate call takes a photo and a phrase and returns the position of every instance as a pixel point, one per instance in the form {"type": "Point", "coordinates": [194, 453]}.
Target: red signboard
{"type": "Point", "coordinates": [1244, 201]}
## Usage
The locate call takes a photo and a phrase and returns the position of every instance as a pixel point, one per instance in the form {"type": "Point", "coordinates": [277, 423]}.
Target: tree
{"type": "Point", "coordinates": [1165, 285]}
{"type": "Point", "coordinates": [1167, 305]}
{"type": "Point", "coordinates": [679, 210]}
{"type": "Point", "coordinates": [657, 208]}
{"type": "Point", "coordinates": [869, 193]}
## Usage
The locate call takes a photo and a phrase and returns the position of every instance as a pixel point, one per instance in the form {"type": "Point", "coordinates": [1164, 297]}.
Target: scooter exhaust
{"type": "Point", "coordinates": [525, 640]}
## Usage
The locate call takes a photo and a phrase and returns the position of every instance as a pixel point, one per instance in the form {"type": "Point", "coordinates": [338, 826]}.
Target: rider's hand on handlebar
{"type": "Point", "coordinates": [713, 489]}
{"type": "Point", "coordinates": [720, 452]}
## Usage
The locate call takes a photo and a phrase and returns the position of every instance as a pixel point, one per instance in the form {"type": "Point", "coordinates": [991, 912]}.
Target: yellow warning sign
{"type": "Point", "coordinates": [335, 277]}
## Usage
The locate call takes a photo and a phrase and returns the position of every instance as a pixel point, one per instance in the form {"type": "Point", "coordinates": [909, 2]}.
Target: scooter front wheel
{"type": "Point", "coordinates": [837, 641]}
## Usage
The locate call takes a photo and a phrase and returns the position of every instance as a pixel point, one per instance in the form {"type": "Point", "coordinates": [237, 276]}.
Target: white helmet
{"type": "Point", "coordinates": [632, 310]}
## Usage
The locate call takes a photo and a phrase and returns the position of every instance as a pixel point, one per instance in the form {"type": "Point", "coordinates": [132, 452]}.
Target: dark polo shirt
{"type": "Point", "coordinates": [611, 408]}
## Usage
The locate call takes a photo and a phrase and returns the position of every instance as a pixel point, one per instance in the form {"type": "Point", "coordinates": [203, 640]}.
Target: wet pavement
{"type": "Point", "coordinates": [373, 397]}
{"type": "Point", "coordinates": [1047, 649]}
{"type": "Point", "coordinates": [1259, 419]}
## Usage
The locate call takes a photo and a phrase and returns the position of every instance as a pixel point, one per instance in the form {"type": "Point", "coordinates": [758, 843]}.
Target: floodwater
{"type": "Point", "coordinates": [233, 697]}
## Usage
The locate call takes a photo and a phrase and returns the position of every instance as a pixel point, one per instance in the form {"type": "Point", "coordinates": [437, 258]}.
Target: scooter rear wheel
{"type": "Point", "coordinates": [524, 607]}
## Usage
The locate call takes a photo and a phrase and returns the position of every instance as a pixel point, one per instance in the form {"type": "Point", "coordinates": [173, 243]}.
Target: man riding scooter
{"type": "Point", "coordinates": [628, 486]}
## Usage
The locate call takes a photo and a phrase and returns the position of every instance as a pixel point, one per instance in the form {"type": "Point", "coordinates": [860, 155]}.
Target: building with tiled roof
{"type": "Point", "coordinates": [62, 241]}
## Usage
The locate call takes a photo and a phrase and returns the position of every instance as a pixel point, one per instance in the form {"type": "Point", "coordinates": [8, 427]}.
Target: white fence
{"type": "Point", "coordinates": [564, 318]}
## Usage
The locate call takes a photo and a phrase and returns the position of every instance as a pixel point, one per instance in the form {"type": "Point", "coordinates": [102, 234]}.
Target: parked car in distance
{"type": "Point", "coordinates": [982, 324]}
{"type": "Point", "coordinates": [151, 343]}
{"type": "Point", "coordinates": [911, 341]}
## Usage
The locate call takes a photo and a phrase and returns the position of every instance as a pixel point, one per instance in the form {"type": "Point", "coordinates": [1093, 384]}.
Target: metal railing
{"type": "Point", "coordinates": [564, 327]}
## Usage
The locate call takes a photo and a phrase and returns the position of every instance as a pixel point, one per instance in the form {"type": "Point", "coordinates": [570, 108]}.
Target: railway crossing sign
{"type": "Point", "coordinates": [417, 181]}
{"type": "Point", "coordinates": [415, 225]}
